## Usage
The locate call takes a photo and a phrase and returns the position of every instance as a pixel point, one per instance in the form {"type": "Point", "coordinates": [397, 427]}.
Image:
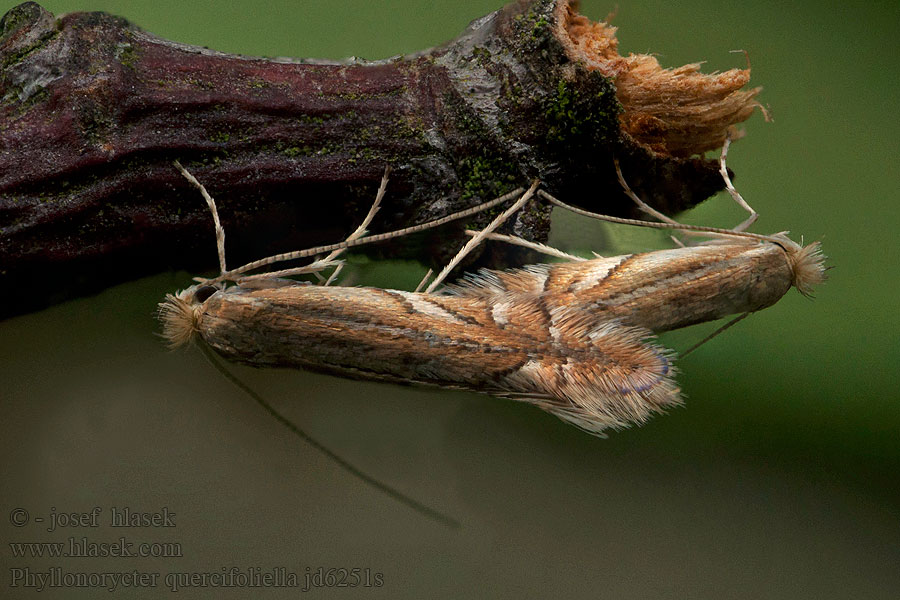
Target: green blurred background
{"type": "Point", "coordinates": [779, 479]}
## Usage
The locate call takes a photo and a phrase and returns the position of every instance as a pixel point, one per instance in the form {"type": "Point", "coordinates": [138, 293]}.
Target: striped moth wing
{"type": "Point", "coordinates": [664, 289]}
{"type": "Point", "coordinates": [594, 374]}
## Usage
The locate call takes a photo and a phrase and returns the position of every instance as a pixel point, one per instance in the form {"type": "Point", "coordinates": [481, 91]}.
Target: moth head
{"type": "Point", "coordinates": [180, 314]}
{"type": "Point", "coordinates": [807, 263]}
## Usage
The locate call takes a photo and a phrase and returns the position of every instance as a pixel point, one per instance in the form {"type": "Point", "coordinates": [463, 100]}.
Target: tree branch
{"type": "Point", "coordinates": [94, 110]}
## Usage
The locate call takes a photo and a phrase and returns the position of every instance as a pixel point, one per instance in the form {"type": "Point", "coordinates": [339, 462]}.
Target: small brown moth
{"type": "Point", "coordinates": [574, 338]}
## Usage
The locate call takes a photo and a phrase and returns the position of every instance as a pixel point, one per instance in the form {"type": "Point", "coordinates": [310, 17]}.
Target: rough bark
{"type": "Point", "coordinates": [94, 110]}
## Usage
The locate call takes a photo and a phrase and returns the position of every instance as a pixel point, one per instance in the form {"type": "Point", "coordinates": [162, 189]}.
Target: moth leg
{"type": "Point", "coordinates": [424, 280]}
{"type": "Point", "coordinates": [331, 260]}
{"type": "Point", "coordinates": [378, 237]}
{"type": "Point", "coordinates": [731, 189]}
{"type": "Point", "coordinates": [363, 227]}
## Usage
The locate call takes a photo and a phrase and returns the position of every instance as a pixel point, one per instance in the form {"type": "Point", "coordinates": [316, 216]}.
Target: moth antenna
{"type": "Point", "coordinates": [397, 495]}
{"type": "Point", "coordinates": [730, 186]}
{"type": "Point", "coordinates": [211, 203]}
{"type": "Point", "coordinates": [371, 239]}
{"type": "Point", "coordinates": [717, 231]}
{"type": "Point", "coordinates": [481, 236]}
{"type": "Point", "coordinates": [727, 325]}
{"type": "Point", "coordinates": [807, 262]}
{"type": "Point", "coordinates": [640, 203]}
{"type": "Point", "coordinates": [517, 241]}
{"type": "Point", "coordinates": [314, 268]}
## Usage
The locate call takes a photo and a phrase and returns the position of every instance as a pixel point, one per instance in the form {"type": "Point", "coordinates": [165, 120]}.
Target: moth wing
{"type": "Point", "coordinates": [533, 280]}
{"type": "Point", "coordinates": [490, 283]}
{"type": "Point", "coordinates": [597, 376]}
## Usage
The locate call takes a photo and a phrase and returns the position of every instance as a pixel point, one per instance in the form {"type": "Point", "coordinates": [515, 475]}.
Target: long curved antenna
{"type": "Point", "coordinates": [220, 232]}
{"type": "Point", "coordinates": [536, 246]}
{"type": "Point", "coordinates": [379, 237]}
{"type": "Point", "coordinates": [656, 225]}
{"type": "Point", "coordinates": [484, 233]}
{"type": "Point", "coordinates": [637, 200]}
{"type": "Point", "coordinates": [341, 462]}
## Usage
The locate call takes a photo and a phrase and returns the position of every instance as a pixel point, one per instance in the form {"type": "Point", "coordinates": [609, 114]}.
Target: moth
{"type": "Point", "coordinates": [575, 339]}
